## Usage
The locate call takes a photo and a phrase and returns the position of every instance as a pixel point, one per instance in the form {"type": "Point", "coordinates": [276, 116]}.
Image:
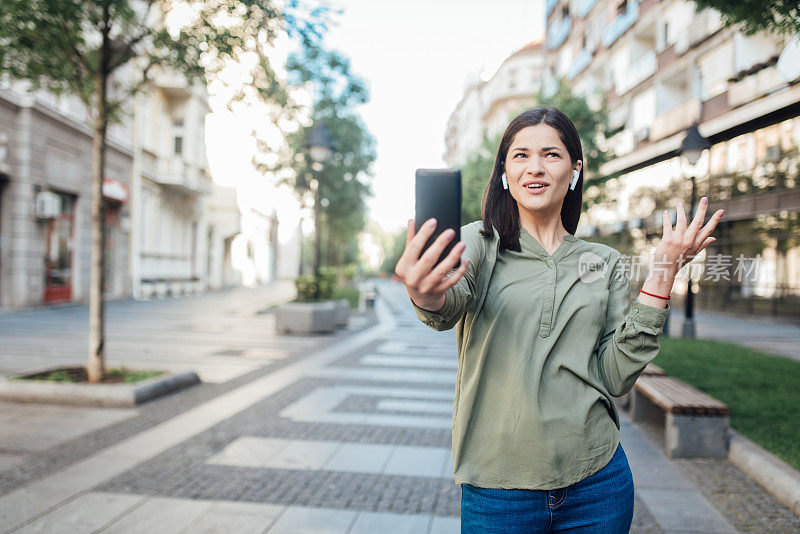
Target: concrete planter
{"type": "Point", "coordinates": [306, 318]}
{"type": "Point", "coordinates": [111, 395]}
{"type": "Point", "coordinates": [342, 312]}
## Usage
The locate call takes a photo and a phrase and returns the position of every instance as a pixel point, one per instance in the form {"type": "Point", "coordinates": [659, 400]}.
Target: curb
{"type": "Point", "coordinates": [106, 395]}
{"type": "Point", "coordinates": [769, 471]}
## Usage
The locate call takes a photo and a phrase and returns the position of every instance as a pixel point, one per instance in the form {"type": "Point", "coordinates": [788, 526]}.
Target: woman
{"type": "Point", "coordinates": [546, 337]}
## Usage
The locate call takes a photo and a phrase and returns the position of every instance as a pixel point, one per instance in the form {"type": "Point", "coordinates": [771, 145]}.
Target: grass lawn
{"type": "Point", "coordinates": [78, 374]}
{"type": "Point", "coordinates": [763, 391]}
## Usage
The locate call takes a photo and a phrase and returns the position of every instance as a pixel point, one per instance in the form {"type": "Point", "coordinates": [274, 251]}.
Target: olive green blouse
{"type": "Point", "coordinates": [544, 343]}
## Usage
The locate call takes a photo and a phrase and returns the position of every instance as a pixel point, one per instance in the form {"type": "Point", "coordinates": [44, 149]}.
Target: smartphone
{"type": "Point", "coordinates": [438, 195]}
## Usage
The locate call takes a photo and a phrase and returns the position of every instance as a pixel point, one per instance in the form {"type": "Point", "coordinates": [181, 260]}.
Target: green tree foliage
{"type": "Point", "coordinates": [751, 16]}
{"type": "Point", "coordinates": [393, 247]}
{"type": "Point", "coordinates": [345, 177]}
{"type": "Point", "coordinates": [79, 46]}
{"type": "Point", "coordinates": [475, 174]}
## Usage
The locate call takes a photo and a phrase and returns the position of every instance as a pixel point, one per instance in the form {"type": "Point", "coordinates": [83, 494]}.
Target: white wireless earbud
{"type": "Point", "coordinates": [505, 182]}
{"type": "Point", "coordinates": [575, 176]}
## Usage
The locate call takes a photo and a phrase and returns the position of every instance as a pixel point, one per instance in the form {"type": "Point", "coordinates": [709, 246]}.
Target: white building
{"type": "Point", "coordinates": [169, 237]}
{"type": "Point", "coordinates": [487, 106]}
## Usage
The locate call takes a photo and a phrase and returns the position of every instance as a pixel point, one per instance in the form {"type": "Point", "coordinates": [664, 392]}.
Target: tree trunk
{"type": "Point", "coordinates": [96, 367]}
{"type": "Point", "coordinates": [331, 246]}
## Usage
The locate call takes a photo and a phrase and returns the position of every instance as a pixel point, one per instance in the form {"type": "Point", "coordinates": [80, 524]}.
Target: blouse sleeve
{"type": "Point", "coordinates": [630, 339]}
{"type": "Point", "coordinates": [461, 296]}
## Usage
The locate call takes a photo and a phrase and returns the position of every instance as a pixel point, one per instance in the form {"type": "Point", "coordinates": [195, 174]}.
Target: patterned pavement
{"type": "Point", "coordinates": [318, 434]}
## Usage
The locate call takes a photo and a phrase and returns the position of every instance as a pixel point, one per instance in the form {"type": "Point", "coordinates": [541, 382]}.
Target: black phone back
{"type": "Point", "coordinates": [438, 195]}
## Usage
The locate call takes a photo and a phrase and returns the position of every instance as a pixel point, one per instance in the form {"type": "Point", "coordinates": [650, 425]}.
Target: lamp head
{"type": "Point", "coordinates": [693, 145]}
{"type": "Point", "coordinates": [320, 143]}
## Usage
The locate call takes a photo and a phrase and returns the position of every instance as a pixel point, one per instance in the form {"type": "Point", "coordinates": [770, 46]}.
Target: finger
{"type": "Point", "coordinates": [699, 217]}
{"type": "Point", "coordinates": [418, 241]}
{"type": "Point", "coordinates": [667, 223]}
{"type": "Point", "coordinates": [429, 258]}
{"type": "Point", "coordinates": [706, 242]}
{"type": "Point", "coordinates": [447, 264]}
{"type": "Point", "coordinates": [709, 227]}
{"type": "Point", "coordinates": [410, 231]}
{"type": "Point", "coordinates": [680, 223]}
{"type": "Point", "coordinates": [453, 278]}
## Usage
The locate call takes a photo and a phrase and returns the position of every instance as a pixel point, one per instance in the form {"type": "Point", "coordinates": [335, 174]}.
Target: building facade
{"type": "Point", "coordinates": [169, 242]}
{"type": "Point", "coordinates": [45, 198]}
{"type": "Point", "coordinates": [487, 105]}
{"type": "Point", "coordinates": [662, 66]}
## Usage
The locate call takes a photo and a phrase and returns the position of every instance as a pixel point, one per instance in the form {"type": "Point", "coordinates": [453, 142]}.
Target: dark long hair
{"type": "Point", "coordinates": [499, 209]}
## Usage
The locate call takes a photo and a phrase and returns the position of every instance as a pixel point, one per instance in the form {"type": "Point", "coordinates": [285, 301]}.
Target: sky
{"type": "Point", "coordinates": [415, 56]}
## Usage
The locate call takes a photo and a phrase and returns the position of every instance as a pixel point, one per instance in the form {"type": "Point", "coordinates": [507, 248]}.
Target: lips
{"type": "Point", "coordinates": [534, 190]}
{"type": "Point", "coordinates": [534, 182]}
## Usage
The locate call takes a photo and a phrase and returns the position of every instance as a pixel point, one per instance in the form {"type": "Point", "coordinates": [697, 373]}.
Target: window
{"type": "Point", "coordinates": [177, 129]}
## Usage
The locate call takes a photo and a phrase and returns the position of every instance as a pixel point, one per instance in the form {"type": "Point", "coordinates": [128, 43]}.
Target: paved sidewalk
{"type": "Point", "coordinates": [322, 434]}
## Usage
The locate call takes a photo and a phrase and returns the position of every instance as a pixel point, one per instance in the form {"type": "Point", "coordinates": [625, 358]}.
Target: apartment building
{"type": "Point", "coordinates": [661, 67]}
{"type": "Point", "coordinates": [169, 245]}
{"type": "Point", "coordinates": [487, 105]}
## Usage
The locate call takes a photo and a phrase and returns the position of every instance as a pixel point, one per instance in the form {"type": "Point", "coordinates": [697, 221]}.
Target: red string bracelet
{"type": "Point", "coordinates": [657, 296]}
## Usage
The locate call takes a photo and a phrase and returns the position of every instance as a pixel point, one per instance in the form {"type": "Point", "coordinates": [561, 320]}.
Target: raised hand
{"type": "Point", "coordinates": [425, 281]}
{"type": "Point", "coordinates": [682, 244]}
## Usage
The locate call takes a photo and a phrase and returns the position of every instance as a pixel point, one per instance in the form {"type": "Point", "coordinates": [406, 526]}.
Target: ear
{"type": "Point", "coordinates": [578, 166]}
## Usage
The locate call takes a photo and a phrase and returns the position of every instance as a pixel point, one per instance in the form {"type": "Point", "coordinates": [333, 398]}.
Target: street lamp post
{"type": "Point", "coordinates": [691, 148]}
{"type": "Point", "coordinates": [319, 145]}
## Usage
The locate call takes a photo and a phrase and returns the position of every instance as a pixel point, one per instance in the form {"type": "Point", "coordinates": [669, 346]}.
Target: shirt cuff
{"type": "Point", "coordinates": [438, 317]}
{"type": "Point", "coordinates": [650, 316]}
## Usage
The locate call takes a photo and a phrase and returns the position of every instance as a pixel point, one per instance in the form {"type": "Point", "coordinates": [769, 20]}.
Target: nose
{"type": "Point", "coordinates": [534, 166]}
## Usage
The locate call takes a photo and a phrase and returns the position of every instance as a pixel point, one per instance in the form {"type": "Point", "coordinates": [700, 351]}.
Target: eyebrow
{"type": "Point", "coordinates": [543, 149]}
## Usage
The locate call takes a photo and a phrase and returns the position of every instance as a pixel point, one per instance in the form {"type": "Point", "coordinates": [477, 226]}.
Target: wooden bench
{"type": "Point", "coordinates": [651, 369]}
{"type": "Point", "coordinates": [695, 424]}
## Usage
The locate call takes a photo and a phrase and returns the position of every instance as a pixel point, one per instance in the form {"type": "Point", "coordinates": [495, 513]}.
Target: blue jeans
{"type": "Point", "coordinates": [599, 504]}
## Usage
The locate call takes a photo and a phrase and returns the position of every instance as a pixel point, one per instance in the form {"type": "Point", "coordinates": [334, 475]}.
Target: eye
{"type": "Point", "coordinates": [556, 154]}
{"type": "Point", "coordinates": [519, 154]}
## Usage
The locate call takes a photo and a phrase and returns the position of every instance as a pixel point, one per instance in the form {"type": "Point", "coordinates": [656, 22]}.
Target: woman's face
{"type": "Point", "coordinates": [538, 156]}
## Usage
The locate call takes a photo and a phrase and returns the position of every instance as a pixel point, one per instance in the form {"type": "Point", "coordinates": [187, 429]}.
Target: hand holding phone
{"type": "Point", "coordinates": [425, 280]}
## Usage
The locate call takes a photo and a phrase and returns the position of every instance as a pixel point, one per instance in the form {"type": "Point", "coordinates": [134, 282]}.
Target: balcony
{"type": "Point", "coordinates": [548, 7]}
{"type": "Point", "coordinates": [703, 25]}
{"type": "Point", "coordinates": [174, 85]}
{"type": "Point", "coordinates": [579, 64]}
{"type": "Point", "coordinates": [556, 34]}
{"type": "Point", "coordinates": [582, 7]}
{"type": "Point", "coordinates": [639, 71]}
{"type": "Point", "coordinates": [620, 24]}
{"type": "Point", "coordinates": [179, 175]}
{"type": "Point", "coordinates": [675, 120]}
{"type": "Point", "coordinates": [754, 86]}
